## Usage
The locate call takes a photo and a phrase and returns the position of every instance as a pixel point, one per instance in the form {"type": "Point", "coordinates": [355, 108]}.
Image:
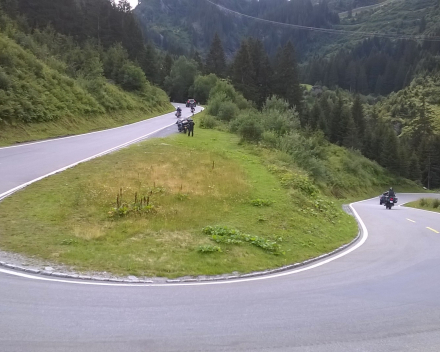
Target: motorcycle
{"type": "Point", "coordinates": [178, 114]}
{"type": "Point", "coordinates": [389, 201]}
{"type": "Point", "coordinates": [192, 110]}
{"type": "Point", "coordinates": [182, 125]}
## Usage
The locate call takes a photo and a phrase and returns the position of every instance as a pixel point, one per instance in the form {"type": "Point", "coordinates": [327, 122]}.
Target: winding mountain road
{"type": "Point", "coordinates": [383, 296]}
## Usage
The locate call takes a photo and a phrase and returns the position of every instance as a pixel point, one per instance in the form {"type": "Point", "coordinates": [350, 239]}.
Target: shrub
{"type": "Point", "coordinates": [270, 139]}
{"type": "Point", "coordinates": [208, 122]}
{"type": "Point", "coordinates": [132, 78]}
{"type": "Point", "coordinates": [215, 102]}
{"type": "Point", "coordinates": [4, 80]}
{"type": "Point", "coordinates": [261, 202]}
{"type": "Point", "coordinates": [227, 111]}
{"type": "Point", "coordinates": [230, 236]}
{"type": "Point", "coordinates": [436, 203]}
{"type": "Point", "coordinates": [208, 249]}
{"type": "Point", "coordinates": [248, 126]}
{"type": "Point", "coordinates": [423, 202]}
{"type": "Point", "coordinates": [203, 86]}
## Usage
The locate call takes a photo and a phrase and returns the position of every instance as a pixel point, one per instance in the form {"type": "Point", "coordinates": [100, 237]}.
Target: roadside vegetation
{"type": "Point", "coordinates": [53, 85]}
{"type": "Point", "coordinates": [266, 195]}
{"type": "Point", "coordinates": [426, 204]}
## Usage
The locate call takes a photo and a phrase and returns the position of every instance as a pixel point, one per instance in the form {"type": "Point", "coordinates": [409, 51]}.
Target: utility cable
{"type": "Point", "coordinates": [329, 30]}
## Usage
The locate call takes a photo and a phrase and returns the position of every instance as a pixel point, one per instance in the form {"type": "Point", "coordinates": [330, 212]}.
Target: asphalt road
{"type": "Point", "coordinates": [383, 296]}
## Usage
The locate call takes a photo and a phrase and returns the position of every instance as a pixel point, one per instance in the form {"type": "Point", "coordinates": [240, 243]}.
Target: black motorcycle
{"type": "Point", "coordinates": [389, 201]}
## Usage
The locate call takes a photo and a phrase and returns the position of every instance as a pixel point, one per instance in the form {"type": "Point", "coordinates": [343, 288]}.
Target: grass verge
{"type": "Point", "coordinates": [20, 132]}
{"type": "Point", "coordinates": [263, 213]}
{"type": "Point", "coordinates": [432, 204]}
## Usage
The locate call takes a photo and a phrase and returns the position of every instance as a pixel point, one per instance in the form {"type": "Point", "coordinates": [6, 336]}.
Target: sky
{"type": "Point", "coordinates": [133, 3]}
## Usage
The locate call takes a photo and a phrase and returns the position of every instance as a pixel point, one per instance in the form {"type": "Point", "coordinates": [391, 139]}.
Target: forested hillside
{"type": "Point", "coordinates": [52, 68]}
{"type": "Point", "coordinates": [180, 26]}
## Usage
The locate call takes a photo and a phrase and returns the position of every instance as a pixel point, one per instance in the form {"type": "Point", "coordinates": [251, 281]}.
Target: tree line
{"type": "Point", "coordinates": [374, 66]}
{"type": "Point", "coordinates": [340, 116]}
{"type": "Point", "coordinates": [181, 26]}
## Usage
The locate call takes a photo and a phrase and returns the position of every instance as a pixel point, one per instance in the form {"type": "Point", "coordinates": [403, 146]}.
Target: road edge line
{"type": "Point", "coordinates": [309, 264]}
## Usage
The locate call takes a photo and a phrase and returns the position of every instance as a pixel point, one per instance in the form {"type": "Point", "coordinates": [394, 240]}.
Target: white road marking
{"type": "Point", "coordinates": [84, 134]}
{"type": "Point", "coordinates": [236, 281]}
{"type": "Point", "coordinates": [410, 220]}
{"type": "Point", "coordinates": [11, 191]}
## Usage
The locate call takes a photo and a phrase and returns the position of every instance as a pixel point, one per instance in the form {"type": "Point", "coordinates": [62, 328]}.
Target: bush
{"type": "Point", "coordinates": [227, 111]}
{"type": "Point", "coordinates": [270, 139]}
{"type": "Point", "coordinates": [4, 80]}
{"type": "Point", "coordinates": [436, 203]}
{"type": "Point", "coordinates": [208, 122]}
{"type": "Point", "coordinates": [250, 130]}
{"type": "Point", "coordinates": [215, 102]}
{"type": "Point", "coordinates": [203, 86]}
{"type": "Point", "coordinates": [132, 78]}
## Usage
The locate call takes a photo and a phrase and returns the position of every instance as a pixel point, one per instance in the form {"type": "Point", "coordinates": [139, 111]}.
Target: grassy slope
{"type": "Point", "coordinates": [69, 219]}
{"type": "Point", "coordinates": [30, 90]}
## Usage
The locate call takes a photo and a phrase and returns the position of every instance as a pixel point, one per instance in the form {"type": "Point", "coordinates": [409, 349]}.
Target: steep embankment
{"type": "Point", "coordinates": [39, 99]}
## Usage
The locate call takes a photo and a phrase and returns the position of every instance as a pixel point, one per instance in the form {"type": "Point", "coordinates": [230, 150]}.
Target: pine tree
{"type": "Point", "coordinates": [336, 135]}
{"type": "Point", "coordinates": [197, 58]}
{"type": "Point", "coordinates": [315, 116]}
{"type": "Point", "coordinates": [148, 63]}
{"type": "Point", "coordinates": [166, 68]}
{"type": "Point", "coordinates": [287, 77]}
{"type": "Point", "coordinates": [216, 59]}
{"type": "Point", "coordinates": [243, 73]}
{"type": "Point", "coordinates": [351, 139]}
{"type": "Point", "coordinates": [414, 168]}
{"type": "Point", "coordinates": [357, 114]}
{"type": "Point", "coordinates": [262, 70]}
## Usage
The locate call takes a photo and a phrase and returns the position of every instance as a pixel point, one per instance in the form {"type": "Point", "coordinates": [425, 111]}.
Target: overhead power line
{"type": "Point", "coordinates": [332, 31]}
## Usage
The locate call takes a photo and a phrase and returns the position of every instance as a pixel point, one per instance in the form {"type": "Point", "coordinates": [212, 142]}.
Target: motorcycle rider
{"type": "Point", "coordinates": [190, 127]}
{"type": "Point", "coordinates": [178, 111]}
{"type": "Point", "coordinates": [391, 192]}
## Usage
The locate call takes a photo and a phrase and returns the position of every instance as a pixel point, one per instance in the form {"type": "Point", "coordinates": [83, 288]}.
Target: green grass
{"type": "Point", "coordinates": [208, 180]}
{"type": "Point", "coordinates": [426, 204]}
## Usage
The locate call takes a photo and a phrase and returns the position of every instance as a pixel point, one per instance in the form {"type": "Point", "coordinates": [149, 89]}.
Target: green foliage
{"type": "Point", "coordinates": [227, 111]}
{"type": "Point", "coordinates": [208, 121]}
{"type": "Point", "coordinates": [226, 235]}
{"type": "Point", "coordinates": [209, 249]}
{"type": "Point", "coordinates": [248, 126]}
{"type": "Point", "coordinates": [216, 59]}
{"type": "Point", "coordinates": [211, 29]}
{"type": "Point", "coordinates": [181, 78]}
{"type": "Point", "coordinates": [45, 76]}
{"type": "Point", "coordinates": [139, 206]}
{"type": "Point", "coordinates": [202, 87]}
{"type": "Point", "coordinates": [132, 78]}
{"type": "Point", "coordinates": [261, 202]}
